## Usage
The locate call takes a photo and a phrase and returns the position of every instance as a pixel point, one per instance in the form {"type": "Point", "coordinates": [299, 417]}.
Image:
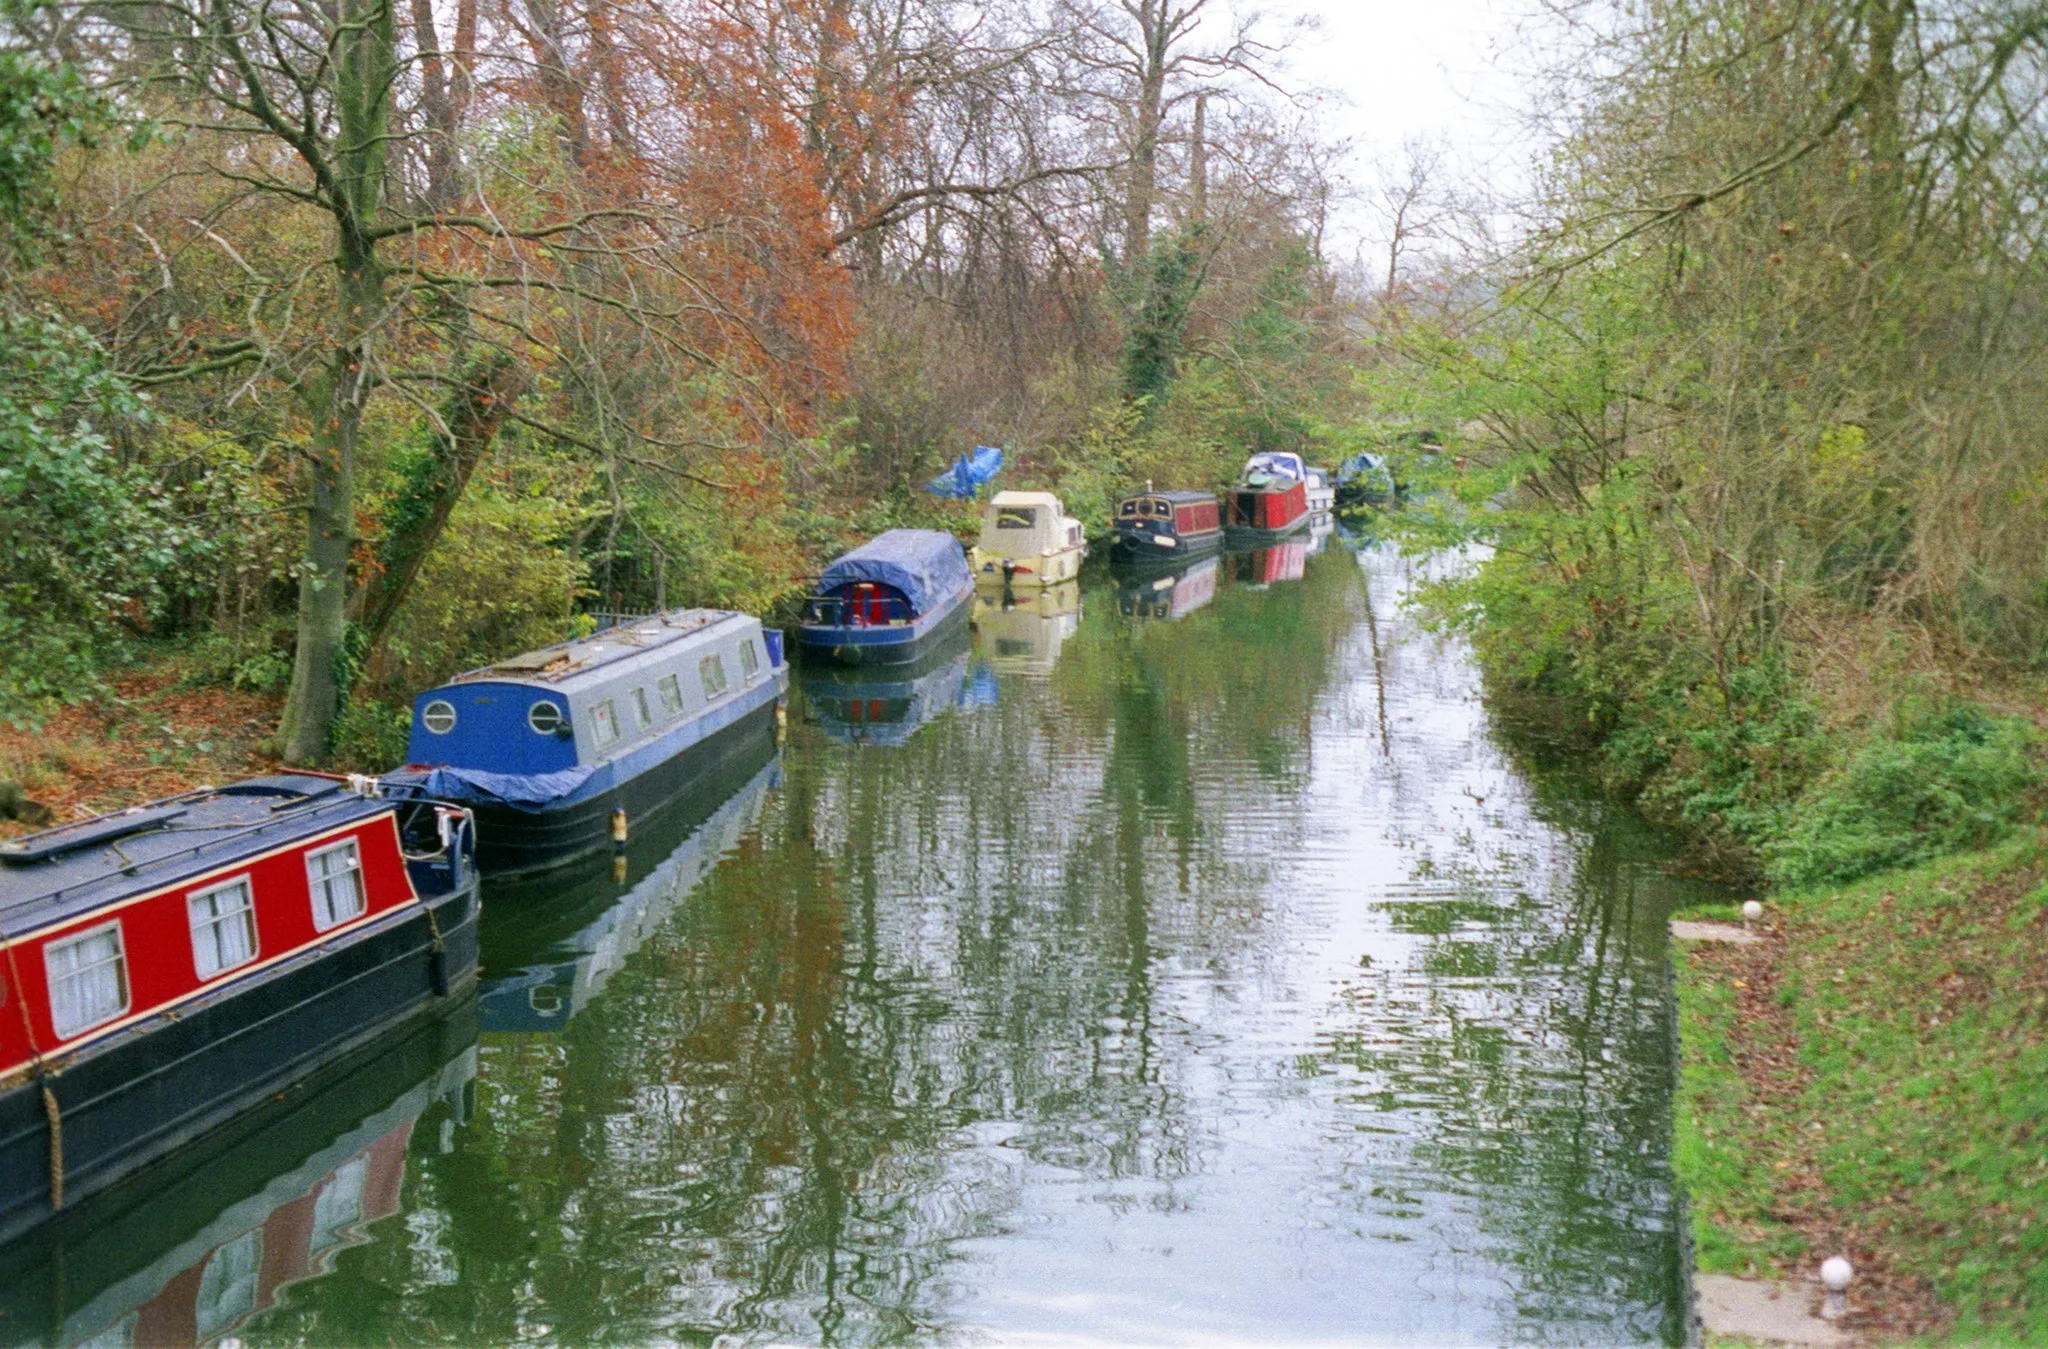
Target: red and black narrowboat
{"type": "Point", "coordinates": [1270, 499]}
{"type": "Point", "coordinates": [164, 968]}
{"type": "Point", "coordinates": [1167, 527]}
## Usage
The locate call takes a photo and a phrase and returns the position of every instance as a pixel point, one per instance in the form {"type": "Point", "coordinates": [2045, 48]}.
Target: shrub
{"type": "Point", "coordinates": [1957, 779]}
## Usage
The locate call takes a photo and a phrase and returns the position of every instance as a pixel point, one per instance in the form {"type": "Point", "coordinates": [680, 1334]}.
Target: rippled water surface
{"type": "Point", "coordinates": [1188, 961]}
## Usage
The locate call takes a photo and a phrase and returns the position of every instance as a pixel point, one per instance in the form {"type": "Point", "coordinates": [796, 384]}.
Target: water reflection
{"type": "Point", "coordinates": [1283, 561]}
{"type": "Point", "coordinates": [188, 1257]}
{"type": "Point", "coordinates": [1022, 632]}
{"type": "Point", "coordinates": [1224, 979]}
{"type": "Point", "coordinates": [887, 706]}
{"type": "Point", "coordinates": [1168, 593]}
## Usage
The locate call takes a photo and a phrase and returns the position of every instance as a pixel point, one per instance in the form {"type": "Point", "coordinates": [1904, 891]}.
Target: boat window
{"type": "Point", "coordinates": [438, 716]}
{"type": "Point", "coordinates": [750, 661]}
{"type": "Point", "coordinates": [712, 668]}
{"type": "Point", "coordinates": [88, 977]}
{"type": "Point", "coordinates": [1130, 508]}
{"type": "Point", "coordinates": [336, 877]}
{"type": "Point", "coordinates": [640, 707]}
{"type": "Point", "coordinates": [223, 927]}
{"type": "Point", "coordinates": [1073, 533]}
{"type": "Point", "coordinates": [545, 718]}
{"type": "Point", "coordinates": [1163, 509]}
{"type": "Point", "coordinates": [671, 692]}
{"type": "Point", "coordinates": [227, 1286]}
{"type": "Point", "coordinates": [1017, 517]}
{"type": "Point", "coordinates": [604, 723]}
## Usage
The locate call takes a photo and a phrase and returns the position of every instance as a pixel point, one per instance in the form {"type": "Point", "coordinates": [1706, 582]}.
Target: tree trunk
{"type": "Point", "coordinates": [1146, 112]}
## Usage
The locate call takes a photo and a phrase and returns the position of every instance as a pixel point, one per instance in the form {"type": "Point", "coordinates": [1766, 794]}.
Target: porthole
{"type": "Point", "coordinates": [544, 717]}
{"type": "Point", "coordinates": [438, 717]}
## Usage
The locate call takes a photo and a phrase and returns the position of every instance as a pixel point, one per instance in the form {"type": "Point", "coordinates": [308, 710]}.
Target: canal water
{"type": "Point", "coordinates": [1186, 961]}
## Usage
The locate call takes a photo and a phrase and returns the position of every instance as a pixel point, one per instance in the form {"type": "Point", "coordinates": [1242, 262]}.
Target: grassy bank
{"type": "Point", "coordinates": [1873, 1080]}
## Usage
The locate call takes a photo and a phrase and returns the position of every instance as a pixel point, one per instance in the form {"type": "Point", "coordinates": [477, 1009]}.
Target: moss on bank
{"type": "Point", "coordinates": [1873, 1079]}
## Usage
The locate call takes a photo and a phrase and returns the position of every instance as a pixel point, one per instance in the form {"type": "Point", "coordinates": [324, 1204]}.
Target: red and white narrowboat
{"type": "Point", "coordinates": [1270, 499]}
{"type": "Point", "coordinates": [164, 968]}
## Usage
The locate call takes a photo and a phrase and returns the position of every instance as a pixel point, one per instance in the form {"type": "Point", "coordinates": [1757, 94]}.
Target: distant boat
{"type": "Point", "coordinates": [1166, 527]}
{"type": "Point", "coordinates": [1169, 594]}
{"type": "Point", "coordinates": [171, 966]}
{"type": "Point", "coordinates": [1322, 494]}
{"type": "Point", "coordinates": [1028, 540]}
{"type": "Point", "coordinates": [889, 600]}
{"type": "Point", "coordinates": [1271, 497]}
{"type": "Point", "coordinates": [559, 751]}
{"type": "Point", "coordinates": [1364, 479]}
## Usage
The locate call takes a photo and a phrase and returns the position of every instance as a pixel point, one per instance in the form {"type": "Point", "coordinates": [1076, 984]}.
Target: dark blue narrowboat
{"type": "Point", "coordinates": [170, 966]}
{"type": "Point", "coordinates": [1167, 528]}
{"type": "Point", "coordinates": [563, 751]}
{"type": "Point", "coordinates": [890, 600]}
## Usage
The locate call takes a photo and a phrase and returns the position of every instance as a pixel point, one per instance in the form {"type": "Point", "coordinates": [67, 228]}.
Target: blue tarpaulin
{"type": "Point", "coordinates": [521, 791]}
{"type": "Point", "coordinates": [969, 474]}
{"type": "Point", "coordinates": [925, 564]}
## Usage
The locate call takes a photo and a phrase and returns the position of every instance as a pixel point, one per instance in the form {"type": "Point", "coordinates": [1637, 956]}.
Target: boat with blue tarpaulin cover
{"type": "Point", "coordinates": [887, 602]}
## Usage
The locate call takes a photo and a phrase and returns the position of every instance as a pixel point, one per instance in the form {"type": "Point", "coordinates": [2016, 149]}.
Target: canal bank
{"type": "Point", "coordinates": [1209, 968]}
{"type": "Point", "coordinates": [1867, 1080]}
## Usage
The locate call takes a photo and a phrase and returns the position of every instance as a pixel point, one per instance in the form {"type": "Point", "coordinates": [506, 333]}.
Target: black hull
{"type": "Point", "coordinates": [1248, 536]}
{"type": "Point", "coordinates": [97, 1260]}
{"type": "Point", "coordinates": [517, 842]}
{"type": "Point", "coordinates": [866, 655]}
{"type": "Point", "coordinates": [135, 1099]}
{"type": "Point", "coordinates": [1142, 552]}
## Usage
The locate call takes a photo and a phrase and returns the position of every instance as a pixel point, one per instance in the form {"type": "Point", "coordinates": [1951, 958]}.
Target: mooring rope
{"type": "Point", "coordinates": [43, 1074]}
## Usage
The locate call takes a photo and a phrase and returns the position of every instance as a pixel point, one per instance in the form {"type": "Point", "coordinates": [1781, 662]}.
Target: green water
{"type": "Point", "coordinates": [1190, 966]}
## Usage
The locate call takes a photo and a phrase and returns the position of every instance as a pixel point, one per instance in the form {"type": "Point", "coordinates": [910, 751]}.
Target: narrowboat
{"type": "Point", "coordinates": [1023, 634]}
{"type": "Point", "coordinates": [1028, 540]}
{"type": "Point", "coordinates": [169, 966]}
{"type": "Point", "coordinates": [887, 707]}
{"type": "Point", "coordinates": [1169, 595]}
{"type": "Point", "coordinates": [191, 1257]}
{"type": "Point", "coordinates": [1322, 493]}
{"type": "Point", "coordinates": [894, 597]}
{"type": "Point", "coordinates": [562, 751]}
{"type": "Point", "coordinates": [1270, 499]}
{"type": "Point", "coordinates": [1364, 480]}
{"type": "Point", "coordinates": [1166, 527]}
{"type": "Point", "coordinates": [578, 932]}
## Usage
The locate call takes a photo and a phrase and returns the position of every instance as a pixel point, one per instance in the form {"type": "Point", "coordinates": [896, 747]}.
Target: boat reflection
{"type": "Point", "coordinates": [887, 706]}
{"type": "Point", "coordinates": [1261, 567]}
{"type": "Point", "coordinates": [1022, 633]}
{"type": "Point", "coordinates": [270, 1202]}
{"type": "Point", "coordinates": [1169, 594]}
{"type": "Point", "coordinates": [1321, 528]}
{"type": "Point", "coordinates": [548, 949]}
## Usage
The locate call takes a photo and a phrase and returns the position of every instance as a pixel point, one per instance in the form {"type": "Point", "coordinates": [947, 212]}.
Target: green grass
{"type": "Point", "coordinates": [1914, 1116]}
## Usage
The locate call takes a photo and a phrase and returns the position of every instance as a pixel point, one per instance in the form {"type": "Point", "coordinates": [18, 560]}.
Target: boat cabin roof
{"type": "Point", "coordinates": [1026, 499]}
{"type": "Point", "coordinates": [1180, 497]}
{"type": "Point", "coordinates": [74, 868]}
{"type": "Point", "coordinates": [573, 665]}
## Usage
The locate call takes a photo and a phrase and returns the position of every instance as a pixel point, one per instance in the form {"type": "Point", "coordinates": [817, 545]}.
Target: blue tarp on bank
{"type": "Point", "coordinates": [925, 564]}
{"type": "Point", "coordinates": [969, 474]}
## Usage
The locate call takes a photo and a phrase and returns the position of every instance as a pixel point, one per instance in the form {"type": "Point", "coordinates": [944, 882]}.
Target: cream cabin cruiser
{"type": "Point", "coordinates": [1028, 539]}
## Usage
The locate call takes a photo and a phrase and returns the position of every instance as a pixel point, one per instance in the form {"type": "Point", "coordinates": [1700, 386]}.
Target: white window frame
{"type": "Point", "coordinates": [713, 661]}
{"type": "Point", "coordinates": [247, 886]}
{"type": "Point", "coordinates": [560, 719]}
{"type": "Point", "coordinates": [604, 723]}
{"type": "Point", "coordinates": [642, 709]}
{"type": "Point", "coordinates": [428, 711]}
{"type": "Point", "coordinates": [669, 689]}
{"type": "Point", "coordinates": [316, 884]}
{"type": "Point", "coordinates": [120, 962]}
{"type": "Point", "coordinates": [750, 661]}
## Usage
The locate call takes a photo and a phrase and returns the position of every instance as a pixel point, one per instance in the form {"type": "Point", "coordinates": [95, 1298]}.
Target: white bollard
{"type": "Point", "coordinates": [1835, 1274]}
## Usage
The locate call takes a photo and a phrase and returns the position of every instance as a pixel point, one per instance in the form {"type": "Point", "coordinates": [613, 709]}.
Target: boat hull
{"type": "Point", "coordinates": [512, 841]}
{"type": "Point", "coordinates": [1138, 549]}
{"type": "Point", "coordinates": [893, 645]}
{"type": "Point", "coordinates": [134, 1099]}
{"type": "Point", "coordinates": [1050, 569]}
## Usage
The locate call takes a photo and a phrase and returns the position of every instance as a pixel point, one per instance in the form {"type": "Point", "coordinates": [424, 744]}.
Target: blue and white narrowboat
{"type": "Point", "coordinates": [562, 751]}
{"type": "Point", "coordinates": [890, 600]}
{"type": "Point", "coordinates": [166, 968]}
